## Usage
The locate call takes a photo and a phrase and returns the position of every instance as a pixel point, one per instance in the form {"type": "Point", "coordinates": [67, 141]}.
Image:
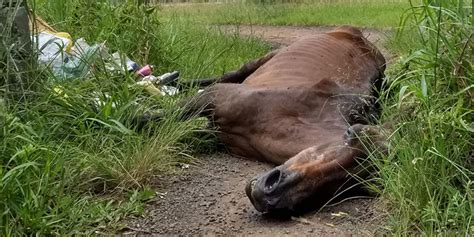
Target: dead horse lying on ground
{"type": "Point", "coordinates": [300, 107]}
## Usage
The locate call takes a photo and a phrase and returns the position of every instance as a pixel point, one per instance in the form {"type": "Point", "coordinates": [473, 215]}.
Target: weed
{"type": "Point", "coordinates": [428, 176]}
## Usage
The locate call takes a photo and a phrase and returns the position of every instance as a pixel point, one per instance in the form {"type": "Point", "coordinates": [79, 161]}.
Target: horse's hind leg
{"type": "Point", "coordinates": [201, 104]}
{"type": "Point", "coordinates": [237, 76]}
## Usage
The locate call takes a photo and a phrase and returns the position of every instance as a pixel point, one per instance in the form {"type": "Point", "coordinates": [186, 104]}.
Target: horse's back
{"type": "Point", "coordinates": [342, 57]}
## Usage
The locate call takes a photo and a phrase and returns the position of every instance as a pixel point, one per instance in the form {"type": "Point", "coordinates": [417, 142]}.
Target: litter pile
{"type": "Point", "coordinates": [69, 59]}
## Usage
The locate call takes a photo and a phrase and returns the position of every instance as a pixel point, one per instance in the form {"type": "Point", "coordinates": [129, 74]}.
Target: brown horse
{"type": "Point", "coordinates": [301, 108]}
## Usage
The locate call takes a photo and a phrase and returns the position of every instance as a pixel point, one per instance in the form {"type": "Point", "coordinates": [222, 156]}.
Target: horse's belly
{"type": "Point", "coordinates": [275, 124]}
{"type": "Point", "coordinates": [275, 143]}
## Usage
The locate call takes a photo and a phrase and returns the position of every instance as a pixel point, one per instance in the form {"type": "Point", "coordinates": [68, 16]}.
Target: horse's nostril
{"type": "Point", "coordinates": [272, 180]}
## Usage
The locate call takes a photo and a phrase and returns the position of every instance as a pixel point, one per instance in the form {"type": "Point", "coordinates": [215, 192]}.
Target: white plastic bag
{"type": "Point", "coordinates": [52, 49]}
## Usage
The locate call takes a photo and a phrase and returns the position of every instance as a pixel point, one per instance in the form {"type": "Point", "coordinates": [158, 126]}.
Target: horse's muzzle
{"type": "Point", "coordinates": [271, 191]}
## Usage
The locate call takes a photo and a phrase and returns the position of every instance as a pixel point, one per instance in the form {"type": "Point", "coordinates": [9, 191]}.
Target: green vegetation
{"type": "Point", "coordinates": [72, 166]}
{"type": "Point", "coordinates": [68, 161]}
{"type": "Point", "coordinates": [368, 13]}
{"type": "Point", "coordinates": [428, 178]}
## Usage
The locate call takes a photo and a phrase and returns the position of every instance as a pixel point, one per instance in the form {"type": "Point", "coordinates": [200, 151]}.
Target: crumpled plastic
{"type": "Point", "coordinates": [79, 63]}
{"type": "Point", "coordinates": [68, 59]}
{"type": "Point", "coordinates": [52, 48]}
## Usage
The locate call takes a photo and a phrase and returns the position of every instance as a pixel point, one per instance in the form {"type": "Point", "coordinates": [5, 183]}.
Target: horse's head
{"type": "Point", "coordinates": [312, 174]}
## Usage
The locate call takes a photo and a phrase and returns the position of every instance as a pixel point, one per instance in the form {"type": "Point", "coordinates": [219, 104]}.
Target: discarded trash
{"type": "Point", "coordinates": [80, 47]}
{"type": "Point", "coordinates": [169, 90]}
{"type": "Point", "coordinates": [122, 61]}
{"type": "Point", "coordinates": [154, 91]}
{"type": "Point", "coordinates": [65, 58]}
{"type": "Point", "coordinates": [169, 78]}
{"type": "Point", "coordinates": [69, 59]}
{"type": "Point", "coordinates": [150, 78]}
{"type": "Point", "coordinates": [77, 66]}
{"type": "Point", "coordinates": [160, 83]}
{"type": "Point", "coordinates": [145, 71]}
{"type": "Point", "coordinates": [52, 47]}
{"type": "Point", "coordinates": [150, 88]}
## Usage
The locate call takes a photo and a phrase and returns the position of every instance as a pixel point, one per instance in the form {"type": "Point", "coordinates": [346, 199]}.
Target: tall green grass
{"type": "Point", "coordinates": [428, 177]}
{"type": "Point", "coordinates": [368, 13]}
{"type": "Point", "coordinates": [70, 165]}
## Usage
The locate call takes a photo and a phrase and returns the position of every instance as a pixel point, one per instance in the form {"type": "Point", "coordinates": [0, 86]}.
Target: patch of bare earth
{"type": "Point", "coordinates": [284, 35]}
{"type": "Point", "coordinates": [209, 199]}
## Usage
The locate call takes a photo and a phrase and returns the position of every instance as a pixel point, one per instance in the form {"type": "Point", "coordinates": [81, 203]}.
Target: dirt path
{"type": "Point", "coordinates": [209, 199]}
{"type": "Point", "coordinates": [285, 35]}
